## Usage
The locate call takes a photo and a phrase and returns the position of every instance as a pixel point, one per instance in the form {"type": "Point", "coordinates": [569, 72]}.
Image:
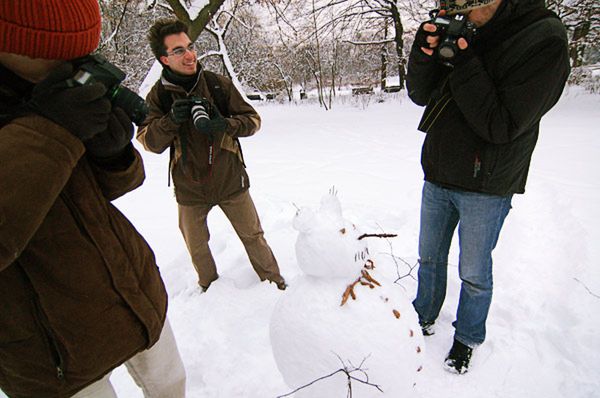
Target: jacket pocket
{"type": "Point", "coordinates": [52, 345]}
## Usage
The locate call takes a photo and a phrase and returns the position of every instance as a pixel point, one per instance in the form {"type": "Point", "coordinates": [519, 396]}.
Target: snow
{"type": "Point", "coordinates": [544, 325]}
{"type": "Point", "coordinates": [314, 326]}
{"type": "Point", "coordinates": [544, 322]}
{"type": "Point", "coordinates": [313, 336]}
{"type": "Point", "coordinates": [328, 246]}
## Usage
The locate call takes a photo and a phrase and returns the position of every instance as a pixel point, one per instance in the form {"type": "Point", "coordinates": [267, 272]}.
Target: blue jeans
{"type": "Point", "coordinates": [479, 218]}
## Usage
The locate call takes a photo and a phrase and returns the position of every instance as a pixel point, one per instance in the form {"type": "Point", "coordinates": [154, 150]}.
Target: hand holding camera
{"type": "Point", "coordinates": [181, 110]}
{"type": "Point", "coordinates": [207, 118]}
{"type": "Point", "coordinates": [83, 110]}
{"type": "Point", "coordinates": [446, 36]}
{"type": "Point", "coordinates": [112, 141]}
{"type": "Point", "coordinates": [427, 38]}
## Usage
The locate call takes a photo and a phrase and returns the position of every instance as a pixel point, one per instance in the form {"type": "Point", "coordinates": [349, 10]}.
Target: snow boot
{"type": "Point", "coordinates": [427, 328]}
{"type": "Point", "coordinates": [281, 285]}
{"type": "Point", "coordinates": [458, 358]}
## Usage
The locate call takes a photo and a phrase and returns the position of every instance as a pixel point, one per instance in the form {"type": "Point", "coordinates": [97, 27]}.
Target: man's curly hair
{"type": "Point", "coordinates": [162, 28]}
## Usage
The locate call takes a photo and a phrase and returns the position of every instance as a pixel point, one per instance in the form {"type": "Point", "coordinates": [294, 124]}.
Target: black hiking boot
{"type": "Point", "coordinates": [458, 358]}
{"type": "Point", "coordinates": [427, 328]}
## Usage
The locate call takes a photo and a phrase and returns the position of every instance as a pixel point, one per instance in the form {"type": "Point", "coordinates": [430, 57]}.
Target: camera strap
{"type": "Point", "coordinates": [221, 100]}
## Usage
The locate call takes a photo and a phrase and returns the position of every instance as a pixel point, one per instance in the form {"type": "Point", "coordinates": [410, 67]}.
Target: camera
{"type": "Point", "coordinates": [96, 68]}
{"type": "Point", "coordinates": [451, 28]}
{"type": "Point", "coordinates": [200, 112]}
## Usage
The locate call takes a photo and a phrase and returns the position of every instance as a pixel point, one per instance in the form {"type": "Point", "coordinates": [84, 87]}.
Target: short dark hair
{"type": "Point", "coordinates": [161, 29]}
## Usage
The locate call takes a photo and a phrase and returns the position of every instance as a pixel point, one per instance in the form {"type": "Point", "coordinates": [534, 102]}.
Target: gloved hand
{"type": "Point", "coordinates": [216, 124]}
{"type": "Point", "coordinates": [83, 110]}
{"type": "Point", "coordinates": [181, 110]}
{"type": "Point", "coordinates": [112, 141]}
{"type": "Point", "coordinates": [464, 54]}
{"type": "Point", "coordinates": [427, 38]}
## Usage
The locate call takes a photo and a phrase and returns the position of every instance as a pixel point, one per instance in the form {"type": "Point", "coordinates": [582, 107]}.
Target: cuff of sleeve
{"type": "Point", "coordinates": [118, 162]}
{"type": "Point", "coordinates": [168, 125]}
{"type": "Point", "coordinates": [229, 127]}
{"type": "Point", "coordinates": [55, 138]}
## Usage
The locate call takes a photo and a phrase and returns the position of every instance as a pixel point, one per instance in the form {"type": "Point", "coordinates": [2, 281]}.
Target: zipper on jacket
{"type": "Point", "coordinates": [55, 355]}
{"type": "Point", "coordinates": [78, 220]}
{"type": "Point", "coordinates": [476, 165]}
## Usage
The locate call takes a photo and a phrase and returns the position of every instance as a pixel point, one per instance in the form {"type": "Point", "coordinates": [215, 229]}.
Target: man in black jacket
{"type": "Point", "coordinates": [483, 108]}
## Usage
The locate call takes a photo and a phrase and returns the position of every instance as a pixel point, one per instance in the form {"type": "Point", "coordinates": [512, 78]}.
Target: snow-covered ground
{"type": "Point", "coordinates": [544, 325]}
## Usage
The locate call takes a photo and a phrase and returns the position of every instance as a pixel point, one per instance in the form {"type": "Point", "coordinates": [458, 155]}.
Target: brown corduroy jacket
{"type": "Point", "coordinates": [196, 182]}
{"type": "Point", "coordinates": [80, 292]}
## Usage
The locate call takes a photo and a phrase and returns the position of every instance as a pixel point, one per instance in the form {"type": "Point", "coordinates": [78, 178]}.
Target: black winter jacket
{"type": "Point", "coordinates": [482, 117]}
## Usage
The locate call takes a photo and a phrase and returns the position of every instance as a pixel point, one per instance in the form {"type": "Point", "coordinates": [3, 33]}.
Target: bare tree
{"type": "Point", "coordinates": [582, 20]}
{"type": "Point", "coordinates": [197, 24]}
{"type": "Point", "coordinates": [125, 24]}
{"type": "Point", "coordinates": [374, 23]}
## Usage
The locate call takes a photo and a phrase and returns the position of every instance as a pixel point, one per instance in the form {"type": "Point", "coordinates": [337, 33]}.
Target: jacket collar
{"type": "Point", "coordinates": [177, 82]}
{"type": "Point", "coordinates": [14, 93]}
{"type": "Point", "coordinates": [508, 11]}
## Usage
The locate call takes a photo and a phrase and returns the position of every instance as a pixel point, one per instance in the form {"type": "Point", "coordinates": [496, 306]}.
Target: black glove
{"type": "Point", "coordinates": [422, 35]}
{"type": "Point", "coordinates": [216, 124]}
{"type": "Point", "coordinates": [112, 141]}
{"type": "Point", "coordinates": [181, 110]}
{"type": "Point", "coordinates": [461, 57]}
{"type": "Point", "coordinates": [83, 110]}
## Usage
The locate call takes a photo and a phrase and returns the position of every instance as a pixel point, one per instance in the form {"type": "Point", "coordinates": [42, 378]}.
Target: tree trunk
{"type": "Point", "coordinates": [577, 47]}
{"type": "Point", "coordinates": [197, 25]}
{"type": "Point", "coordinates": [384, 60]}
{"type": "Point", "coordinates": [399, 43]}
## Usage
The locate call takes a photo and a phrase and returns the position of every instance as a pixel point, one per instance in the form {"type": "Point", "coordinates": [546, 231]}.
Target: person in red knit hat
{"type": "Point", "coordinates": [80, 290]}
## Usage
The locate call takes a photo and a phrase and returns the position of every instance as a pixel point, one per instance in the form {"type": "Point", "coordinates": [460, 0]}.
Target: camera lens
{"type": "Point", "coordinates": [447, 52]}
{"type": "Point", "coordinates": [130, 102]}
{"type": "Point", "coordinates": [199, 115]}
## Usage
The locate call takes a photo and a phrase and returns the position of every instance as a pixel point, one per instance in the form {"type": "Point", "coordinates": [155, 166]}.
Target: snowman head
{"type": "Point", "coordinates": [328, 245]}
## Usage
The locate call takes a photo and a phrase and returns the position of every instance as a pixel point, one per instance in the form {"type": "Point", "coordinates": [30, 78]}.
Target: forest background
{"type": "Point", "coordinates": [285, 50]}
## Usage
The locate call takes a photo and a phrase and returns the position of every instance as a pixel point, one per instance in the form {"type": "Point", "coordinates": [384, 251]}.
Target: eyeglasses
{"type": "Point", "coordinates": [180, 51]}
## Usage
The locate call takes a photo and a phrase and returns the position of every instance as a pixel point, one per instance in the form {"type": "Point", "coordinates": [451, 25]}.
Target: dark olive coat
{"type": "Point", "coordinates": [196, 181]}
{"type": "Point", "coordinates": [80, 292]}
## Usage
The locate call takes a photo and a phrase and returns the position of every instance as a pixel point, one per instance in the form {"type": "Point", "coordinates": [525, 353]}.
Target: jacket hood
{"type": "Point", "coordinates": [508, 11]}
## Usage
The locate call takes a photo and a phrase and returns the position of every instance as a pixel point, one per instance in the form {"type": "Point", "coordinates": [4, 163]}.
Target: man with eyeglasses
{"type": "Point", "coordinates": [200, 115]}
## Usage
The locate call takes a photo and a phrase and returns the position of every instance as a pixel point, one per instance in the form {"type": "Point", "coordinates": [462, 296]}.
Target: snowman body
{"type": "Point", "coordinates": [372, 342]}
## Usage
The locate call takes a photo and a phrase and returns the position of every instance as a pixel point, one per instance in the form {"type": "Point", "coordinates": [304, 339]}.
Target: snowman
{"type": "Point", "coordinates": [341, 329]}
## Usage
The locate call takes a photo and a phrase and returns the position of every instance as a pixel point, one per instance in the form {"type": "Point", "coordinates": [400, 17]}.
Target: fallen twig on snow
{"type": "Point", "coordinates": [348, 371]}
{"type": "Point", "coordinates": [587, 288]}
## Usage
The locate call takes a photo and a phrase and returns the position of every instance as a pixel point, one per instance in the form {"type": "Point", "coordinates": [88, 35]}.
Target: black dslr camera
{"type": "Point", "coordinates": [450, 29]}
{"type": "Point", "coordinates": [96, 68]}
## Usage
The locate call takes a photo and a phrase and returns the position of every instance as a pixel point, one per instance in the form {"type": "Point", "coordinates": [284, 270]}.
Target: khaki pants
{"type": "Point", "coordinates": [158, 371]}
{"type": "Point", "coordinates": [242, 214]}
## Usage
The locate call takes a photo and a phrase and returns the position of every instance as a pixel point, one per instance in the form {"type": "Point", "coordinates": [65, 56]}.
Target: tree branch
{"type": "Point", "coordinates": [348, 370]}
{"type": "Point", "coordinates": [586, 288]}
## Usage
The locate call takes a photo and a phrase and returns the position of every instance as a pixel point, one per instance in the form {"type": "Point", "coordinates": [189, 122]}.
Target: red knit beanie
{"type": "Point", "coordinates": [50, 29]}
